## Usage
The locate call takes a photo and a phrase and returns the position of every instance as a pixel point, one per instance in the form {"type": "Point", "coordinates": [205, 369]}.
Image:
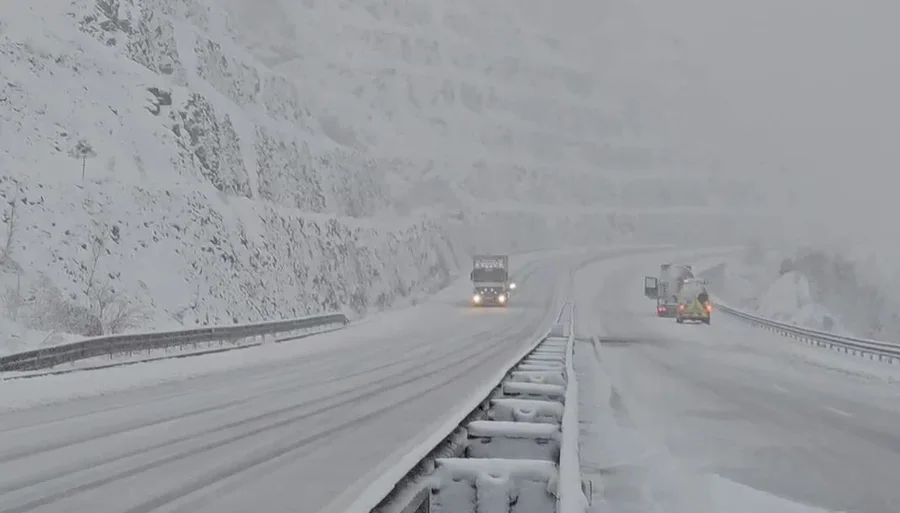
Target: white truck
{"type": "Point", "coordinates": [664, 288]}
{"type": "Point", "coordinates": [490, 280]}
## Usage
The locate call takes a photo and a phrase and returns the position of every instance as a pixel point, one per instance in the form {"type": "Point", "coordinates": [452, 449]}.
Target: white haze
{"type": "Point", "coordinates": [814, 84]}
{"type": "Point", "coordinates": [353, 153]}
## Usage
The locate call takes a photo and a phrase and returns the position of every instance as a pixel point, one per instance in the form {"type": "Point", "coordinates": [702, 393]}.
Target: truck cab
{"type": "Point", "coordinates": [490, 280]}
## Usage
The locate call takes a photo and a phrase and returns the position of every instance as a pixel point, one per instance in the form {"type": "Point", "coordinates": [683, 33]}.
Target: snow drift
{"type": "Point", "coordinates": [819, 288]}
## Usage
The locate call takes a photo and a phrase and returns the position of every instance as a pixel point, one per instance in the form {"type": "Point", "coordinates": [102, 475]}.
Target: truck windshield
{"type": "Point", "coordinates": [489, 275]}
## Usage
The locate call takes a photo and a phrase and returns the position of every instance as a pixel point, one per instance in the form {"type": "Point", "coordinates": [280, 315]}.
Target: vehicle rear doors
{"type": "Point", "coordinates": [651, 287]}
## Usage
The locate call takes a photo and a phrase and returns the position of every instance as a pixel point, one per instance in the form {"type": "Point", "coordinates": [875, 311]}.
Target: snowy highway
{"type": "Point", "coordinates": [727, 417]}
{"type": "Point", "coordinates": [692, 418]}
{"type": "Point", "coordinates": [305, 431]}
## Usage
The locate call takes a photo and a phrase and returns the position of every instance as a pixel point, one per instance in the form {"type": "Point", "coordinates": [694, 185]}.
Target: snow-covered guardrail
{"type": "Point", "coordinates": [126, 344]}
{"type": "Point", "coordinates": [512, 448]}
{"type": "Point", "coordinates": [884, 351]}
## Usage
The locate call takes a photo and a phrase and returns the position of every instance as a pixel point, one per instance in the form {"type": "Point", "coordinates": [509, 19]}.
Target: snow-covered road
{"type": "Point", "coordinates": [683, 412]}
{"type": "Point", "coordinates": [302, 431]}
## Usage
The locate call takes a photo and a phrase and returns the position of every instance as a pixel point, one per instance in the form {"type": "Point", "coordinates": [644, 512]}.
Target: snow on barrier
{"type": "Point", "coordinates": [874, 349]}
{"type": "Point", "coordinates": [241, 335]}
{"type": "Point", "coordinates": [516, 449]}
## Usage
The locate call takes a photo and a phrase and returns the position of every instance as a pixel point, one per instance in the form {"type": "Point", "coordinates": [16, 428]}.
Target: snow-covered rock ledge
{"type": "Point", "coordinates": [184, 258]}
{"type": "Point", "coordinates": [817, 288]}
{"type": "Point", "coordinates": [188, 162]}
{"type": "Point", "coordinates": [145, 190]}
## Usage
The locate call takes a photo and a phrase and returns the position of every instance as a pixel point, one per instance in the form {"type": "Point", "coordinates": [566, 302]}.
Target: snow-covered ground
{"type": "Point", "coordinates": [440, 309]}
{"type": "Point", "coordinates": [635, 475]}
{"type": "Point", "coordinates": [820, 287]}
{"type": "Point", "coordinates": [321, 420]}
{"type": "Point", "coordinates": [725, 418]}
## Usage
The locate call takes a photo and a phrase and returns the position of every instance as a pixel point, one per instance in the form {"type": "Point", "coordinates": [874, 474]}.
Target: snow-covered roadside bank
{"type": "Point", "coordinates": [12, 333]}
{"type": "Point", "coordinates": [840, 365]}
{"type": "Point", "coordinates": [419, 320]}
{"type": "Point", "coordinates": [625, 452]}
{"type": "Point", "coordinates": [821, 289]}
{"type": "Point", "coordinates": [760, 283]}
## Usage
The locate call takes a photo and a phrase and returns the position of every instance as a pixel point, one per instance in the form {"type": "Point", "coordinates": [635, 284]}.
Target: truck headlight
{"type": "Point", "coordinates": [501, 298]}
{"type": "Point", "coordinates": [476, 298]}
{"type": "Point", "coordinates": [512, 286]}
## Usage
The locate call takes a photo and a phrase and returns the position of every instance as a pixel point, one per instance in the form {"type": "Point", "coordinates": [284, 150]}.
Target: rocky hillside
{"type": "Point", "coordinates": [183, 162]}
{"type": "Point", "coordinates": [846, 291]}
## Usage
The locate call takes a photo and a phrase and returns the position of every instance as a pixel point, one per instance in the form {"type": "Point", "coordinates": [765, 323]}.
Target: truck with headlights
{"type": "Point", "coordinates": [490, 279]}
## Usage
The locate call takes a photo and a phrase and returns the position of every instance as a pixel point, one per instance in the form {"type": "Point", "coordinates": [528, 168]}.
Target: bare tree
{"type": "Point", "coordinates": [14, 296]}
{"type": "Point", "coordinates": [52, 334]}
{"type": "Point", "coordinates": [83, 151]}
{"type": "Point", "coordinates": [49, 309]}
{"type": "Point", "coordinates": [114, 313]}
{"type": "Point", "coordinates": [98, 295]}
{"type": "Point", "coordinates": [98, 248]}
{"type": "Point", "coordinates": [10, 220]}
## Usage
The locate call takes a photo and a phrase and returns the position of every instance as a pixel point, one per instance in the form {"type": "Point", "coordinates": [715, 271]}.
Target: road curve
{"type": "Point", "coordinates": [304, 433]}
{"type": "Point", "coordinates": [744, 405]}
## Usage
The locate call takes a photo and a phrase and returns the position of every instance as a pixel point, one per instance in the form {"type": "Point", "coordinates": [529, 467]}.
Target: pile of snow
{"type": "Point", "coordinates": [820, 288]}
{"type": "Point", "coordinates": [18, 337]}
{"type": "Point", "coordinates": [790, 300]}
{"type": "Point", "coordinates": [171, 163]}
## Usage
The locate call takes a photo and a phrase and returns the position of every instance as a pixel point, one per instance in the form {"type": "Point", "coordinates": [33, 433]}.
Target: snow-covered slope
{"type": "Point", "coordinates": [791, 299]}
{"type": "Point", "coordinates": [204, 161]}
{"type": "Point", "coordinates": [210, 194]}
{"type": "Point", "coordinates": [818, 287]}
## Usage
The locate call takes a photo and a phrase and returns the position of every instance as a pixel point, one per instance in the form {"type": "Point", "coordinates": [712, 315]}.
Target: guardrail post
{"type": "Point", "coordinates": [421, 503]}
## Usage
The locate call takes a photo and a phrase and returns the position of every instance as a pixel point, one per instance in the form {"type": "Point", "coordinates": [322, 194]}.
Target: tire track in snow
{"type": "Point", "coordinates": [335, 360]}
{"type": "Point", "coordinates": [346, 399]}
{"type": "Point", "coordinates": [453, 346]}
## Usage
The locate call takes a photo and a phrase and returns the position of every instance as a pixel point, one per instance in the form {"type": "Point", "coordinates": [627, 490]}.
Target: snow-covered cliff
{"type": "Point", "coordinates": [183, 162]}
{"type": "Point", "coordinates": [828, 288]}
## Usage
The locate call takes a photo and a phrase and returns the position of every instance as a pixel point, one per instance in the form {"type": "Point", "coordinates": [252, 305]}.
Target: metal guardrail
{"type": "Point", "coordinates": [411, 492]}
{"type": "Point", "coordinates": [574, 492]}
{"type": "Point", "coordinates": [121, 344]}
{"type": "Point", "coordinates": [875, 349]}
